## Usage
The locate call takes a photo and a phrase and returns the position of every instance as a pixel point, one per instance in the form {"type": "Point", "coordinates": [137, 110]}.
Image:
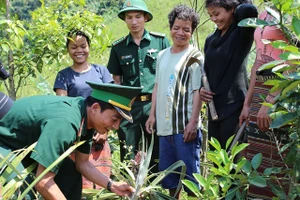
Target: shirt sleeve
{"type": "Point", "coordinates": [106, 76]}
{"type": "Point", "coordinates": [244, 11]}
{"type": "Point", "coordinates": [113, 63]}
{"type": "Point", "coordinates": [60, 82]}
{"type": "Point", "coordinates": [166, 43]}
{"type": "Point", "coordinates": [157, 66]}
{"type": "Point", "coordinates": [57, 135]}
{"type": "Point", "coordinates": [196, 73]}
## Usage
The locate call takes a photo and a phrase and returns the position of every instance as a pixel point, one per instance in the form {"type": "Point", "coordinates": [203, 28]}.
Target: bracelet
{"type": "Point", "coordinates": [268, 100]}
{"type": "Point", "coordinates": [108, 187]}
{"type": "Point", "coordinates": [271, 95]}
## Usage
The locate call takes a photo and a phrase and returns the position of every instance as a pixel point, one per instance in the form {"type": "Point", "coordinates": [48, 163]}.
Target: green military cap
{"type": "Point", "coordinates": [131, 5]}
{"type": "Point", "coordinates": [121, 97]}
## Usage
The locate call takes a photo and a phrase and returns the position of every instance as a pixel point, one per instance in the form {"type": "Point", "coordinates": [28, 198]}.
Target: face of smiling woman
{"type": "Point", "coordinates": [221, 17]}
{"type": "Point", "coordinates": [79, 49]}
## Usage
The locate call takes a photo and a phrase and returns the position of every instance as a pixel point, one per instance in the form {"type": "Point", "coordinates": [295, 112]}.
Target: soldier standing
{"type": "Point", "coordinates": [132, 62]}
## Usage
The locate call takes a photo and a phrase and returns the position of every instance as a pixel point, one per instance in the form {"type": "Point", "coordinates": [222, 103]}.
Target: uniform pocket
{"type": "Point", "coordinates": [128, 67]}
{"type": "Point", "coordinates": [151, 61]}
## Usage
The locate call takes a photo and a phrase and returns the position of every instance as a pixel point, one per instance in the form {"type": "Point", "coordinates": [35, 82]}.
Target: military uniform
{"type": "Point", "coordinates": [48, 120]}
{"type": "Point", "coordinates": [136, 65]}
{"type": "Point", "coordinates": [56, 123]}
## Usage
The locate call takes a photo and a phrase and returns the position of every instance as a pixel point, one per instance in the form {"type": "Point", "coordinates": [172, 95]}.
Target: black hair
{"type": "Point", "coordinates": [104, 105]}
{"type": "Point", "coordinates": [76, 32]}
{"type": "Point", "coordinates": [227, 4]}
{"type": "Point", "coordinates": [184, 12]}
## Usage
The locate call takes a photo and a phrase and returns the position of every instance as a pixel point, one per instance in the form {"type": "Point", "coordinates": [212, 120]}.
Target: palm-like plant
{"type": "Point", "coordinates": [9, 163]}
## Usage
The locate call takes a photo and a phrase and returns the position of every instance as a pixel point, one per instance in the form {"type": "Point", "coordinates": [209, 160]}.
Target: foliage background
{"type": "Point", "coordinates": [22, 10]}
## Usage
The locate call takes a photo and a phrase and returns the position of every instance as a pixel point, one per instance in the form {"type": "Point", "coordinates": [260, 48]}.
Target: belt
{"type": "Point", "coordinates": [143, 97]}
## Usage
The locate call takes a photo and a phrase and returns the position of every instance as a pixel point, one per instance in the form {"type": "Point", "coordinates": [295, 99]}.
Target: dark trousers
{"type": "Point", "coordinates": [222, 130]}
{"type": "Point", "coordinates": [130, 135]}
{"type": "Point", "coordinates": [68, 179]}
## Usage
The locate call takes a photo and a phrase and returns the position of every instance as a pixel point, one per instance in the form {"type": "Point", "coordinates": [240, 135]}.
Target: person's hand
{"type": "Point", "coordinates": [190, 132]}
{"type": "Point", "coordinates": [100, 138]}
{"type": "Point", "coordinates": [244, 115]}
{"type": "Point", "coordinates": [150, 124]}
{"type": "Point", "coordinates": [122, 189]}
{"type": "Point", "coordinates": [206, 95]}
{"type": "Point", "coordinates": [263, 118]}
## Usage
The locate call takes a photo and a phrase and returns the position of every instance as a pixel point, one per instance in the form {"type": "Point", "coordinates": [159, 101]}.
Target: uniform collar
{"type": "Point", "coordinates": [83, 107]}
{"type": "Point", "coordinates": [146, 36]}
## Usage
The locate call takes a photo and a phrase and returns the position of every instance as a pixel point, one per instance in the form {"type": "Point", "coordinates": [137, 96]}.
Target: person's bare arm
{"type": "Point", "coordinates": [47, 187]}
{"type": "Point", "coordinates": [61, 92]}
{"type": "Point", "coordinates": [117, 79]}
{"type": "Point", "coordinates": [88, 170]}
{"type": "Point", "coordinates": [247, 103]}
{"type": "Point", "coordinates": [190, 131]}
{"type": "Point", "coordinates": [152, 117]}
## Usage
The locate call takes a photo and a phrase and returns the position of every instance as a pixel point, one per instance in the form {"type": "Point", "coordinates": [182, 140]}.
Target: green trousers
{"type": "Point", "coordinates": [130, 134]}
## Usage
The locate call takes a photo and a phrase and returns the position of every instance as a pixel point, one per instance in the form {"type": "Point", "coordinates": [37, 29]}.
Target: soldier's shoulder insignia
{"type": "Point", "coordinates": [157, 34]}
{"type": "Point", "coordinates": [119, 40]}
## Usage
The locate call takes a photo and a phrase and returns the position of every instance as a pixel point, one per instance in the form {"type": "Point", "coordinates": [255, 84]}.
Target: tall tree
{"type": "Point", "coordinates": [41, 44]}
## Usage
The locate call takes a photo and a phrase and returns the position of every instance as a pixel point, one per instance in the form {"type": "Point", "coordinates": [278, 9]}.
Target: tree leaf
{"type": "Point", "coordinates": [277, 190]}
{"type": "Point", "coordinates": [270, 65]}
{"type": "Point", "coordinates": [237, 149]}
{"type": "Point", "coordinates": [253, 22]}
{"type": "Point", "coordinates": [283, 120]}
{"type": "Point", "coordinates": [290, 56]}
{"type": "Point", "coordinates": [256, 161]}
{"type": "Point", "coordinates": [192, 186]}
{"type": "Point", "coordinates": [215, 143]}
{"type": "Point", "coordinates": [273, 12]}
{"type": "Point", "coordinates": [257, 181]}
{"type": "Point", "coordinates": [231, 193]}
{"type": "Point", "coordinates": [296, 25]}
{"type": "Point", "coordinates": [247, 167]}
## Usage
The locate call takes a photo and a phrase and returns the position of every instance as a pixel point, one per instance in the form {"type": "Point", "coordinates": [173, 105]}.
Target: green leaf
{"type": "Point", "coordinates": [281, 68]}
{"type": "Point", "coordinates": [285, 147]}
{"type": "Point", "coordinates": [256, 161]}
{"type": "Point", "coordinates": [3, 21]}
{"type": "Point", "coordinates": [272, 170]}
{"type": "Point", "coordinates": [240, 165]}
{"type": "Point", "coordinates": [231, 193]}
{"type": "Point", "coordinates": [228, 142]}
{"type": "Point", "coordinates": [215, 143]}
{"type": "Point", "coordinates": [277, 190]}
{"type": "Point", "coordinates": [273, 12]}
{"type": "Point", "coordinates": [237, 149]}
{"type": "Point", "coordinates": [55, 163]}
{"type": "Point", "coordinates": [201, 180]}
{"type": "Point", "coordinates": [283, 120]}
{"type": "Point", "coordinates": [212, 156]}
{"type": "Point", "coordinates": [257, 181]}
{"type": "Point", "coordinates": [290, 56]}
{"type": "Point", "coordinates": [253, 22]}
{"type": "Point", "coordinates": [270, 65]}
{"type": "Point", "coordinates": [247, 167]}
{"type": "Point", "coordinates": [224, 156]}
{"type": "Point", "coordinates": [5, 47]}
{"type": "Point", "coordinates": [292, 76]}
{"type": "Point", "coordinates": [192, 186]}
{"type": "Point", "coordinates": [294, 136]}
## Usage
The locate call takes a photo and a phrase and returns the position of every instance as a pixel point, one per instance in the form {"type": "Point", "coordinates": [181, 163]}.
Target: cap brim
{"type": "Point", "coordinates": [125, 114]}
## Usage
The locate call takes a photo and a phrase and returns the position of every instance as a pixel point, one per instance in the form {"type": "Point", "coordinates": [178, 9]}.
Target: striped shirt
{"type": "Point", "coordinates": [176, 80]}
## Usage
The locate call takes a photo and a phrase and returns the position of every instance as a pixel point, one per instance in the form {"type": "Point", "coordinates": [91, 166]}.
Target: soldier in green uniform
{"type": "Point", "coordinates": [132, 62]}
{"type": "Point", "coordinates": [56, 123]}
